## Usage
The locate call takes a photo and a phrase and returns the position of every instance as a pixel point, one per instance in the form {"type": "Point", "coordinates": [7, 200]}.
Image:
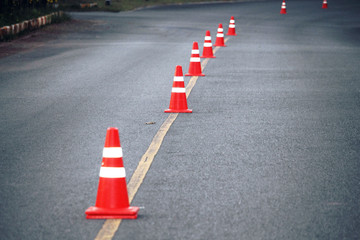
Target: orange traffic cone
{"type": "Point", "coordinates": [283, 8]}
{"type": "Point", "coordinates": [220, 37]}
{"type": "Point", "coordinates": [195, 65]}
{"type": "Point", "coordinates": [231, 30]}
{"type": "Point", "coordinates": [112, 198]}
{"type": "Point", "coordinates": [178, 103]}
{"type": "Point", "coordinates": [207, 50]}
{"type": "Point", "coordinates": [325, 5]}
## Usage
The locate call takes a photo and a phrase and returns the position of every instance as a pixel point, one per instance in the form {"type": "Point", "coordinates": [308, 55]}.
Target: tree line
{"type": "Point", "coordinates": [11, 6]}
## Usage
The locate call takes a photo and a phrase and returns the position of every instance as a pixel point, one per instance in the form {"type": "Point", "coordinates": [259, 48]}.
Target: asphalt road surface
{"type": "Point", "coordinates": [271, 150]}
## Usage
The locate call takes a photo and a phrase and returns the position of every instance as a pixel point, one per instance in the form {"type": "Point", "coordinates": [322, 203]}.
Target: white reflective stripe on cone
{"type": "Point", "coordinates": [207, 44]}
{"type": "Point", "coordinates": [112, 152]}
{"type": "Point", "coordinates": [207, 38]}
{"type": "Point", "coordinates": [232, 21]}
{"type": "Point", "coordinates": [231, 26]}
{"type": "Point", "coordinates": [112, 172]}
{"type": "Point", "coordinates": [220, 29]}
{"type": "Point", "coordinates": [178, 90]}
{"type": "Point", "coordinates": [220, 35]}
{"type": "Point", "coordinates": [195, 59]}
{"type": "Point", "coordinates": [178, 79]}
{"type": "Point", "coordinates": [195, 51]}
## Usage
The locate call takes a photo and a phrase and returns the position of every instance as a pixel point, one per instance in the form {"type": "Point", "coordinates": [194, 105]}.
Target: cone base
{"type": "Point", "coordinates": [207, 57]}
{"type": "Point", "coordinates": [198, 74]}
{"type": "Point", "coordinates": [220, 45]}
{"type": "Point", "coordinates": [228, 34]}
{"type": "Point", "coordinates": [283, 12]}
{"type": "Point", "coordinates": [110, 213]}
{"type": "Point", "coordinates": [178, 111]}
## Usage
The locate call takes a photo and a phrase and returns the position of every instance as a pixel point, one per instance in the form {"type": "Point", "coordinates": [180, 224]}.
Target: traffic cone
{"type": "Point", "coordinates": [112, 198]}
{"type": "Point", "coordinates": [178, 103]}
{"type": "Point", "coordinates": [195, 66]}
{"type": "Point", "coordinates": [207, 50]}
{"type": "Point", "coordinates": [220, 37]}
{"type": "Point", "coordinates": [283, 8]}
{"type": "Point", "coordinates": [231, 30]}
{"type": "Point", "coordinates": [325, 5]}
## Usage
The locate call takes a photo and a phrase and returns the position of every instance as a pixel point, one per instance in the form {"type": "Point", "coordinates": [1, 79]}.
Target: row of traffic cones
{"type": "Point", "coordinates": [112, 201]}
{"type": "Point", "coordinates": [283, 6]}
{"type": "Point", "coordinates": [178, 101]}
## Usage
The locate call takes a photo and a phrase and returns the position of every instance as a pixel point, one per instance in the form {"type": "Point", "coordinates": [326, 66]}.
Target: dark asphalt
{"type": "Point", "coordinates": [271, 150]}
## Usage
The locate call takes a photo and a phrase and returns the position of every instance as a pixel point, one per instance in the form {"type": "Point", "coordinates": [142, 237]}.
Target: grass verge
{"type": "Point", "coordinates": [121, 5]}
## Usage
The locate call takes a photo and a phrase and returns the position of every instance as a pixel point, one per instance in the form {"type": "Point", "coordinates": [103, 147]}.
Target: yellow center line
{"type": "Point", "coordinates": [110, 226]}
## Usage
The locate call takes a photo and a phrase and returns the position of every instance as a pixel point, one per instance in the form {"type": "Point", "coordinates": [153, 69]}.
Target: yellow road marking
{"type": "Point", "coordinates": [110, 226]}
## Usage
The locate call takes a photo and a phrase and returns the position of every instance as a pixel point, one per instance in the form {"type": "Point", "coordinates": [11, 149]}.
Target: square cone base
{"type": "Point", "coordinates": [207, 57]}
{"type": "Point", "coordinates": [110, 213]}
{"type": "Point", "coordinates": [197, 75]}
{"type": "Point", "coordinates": [178, 111]}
